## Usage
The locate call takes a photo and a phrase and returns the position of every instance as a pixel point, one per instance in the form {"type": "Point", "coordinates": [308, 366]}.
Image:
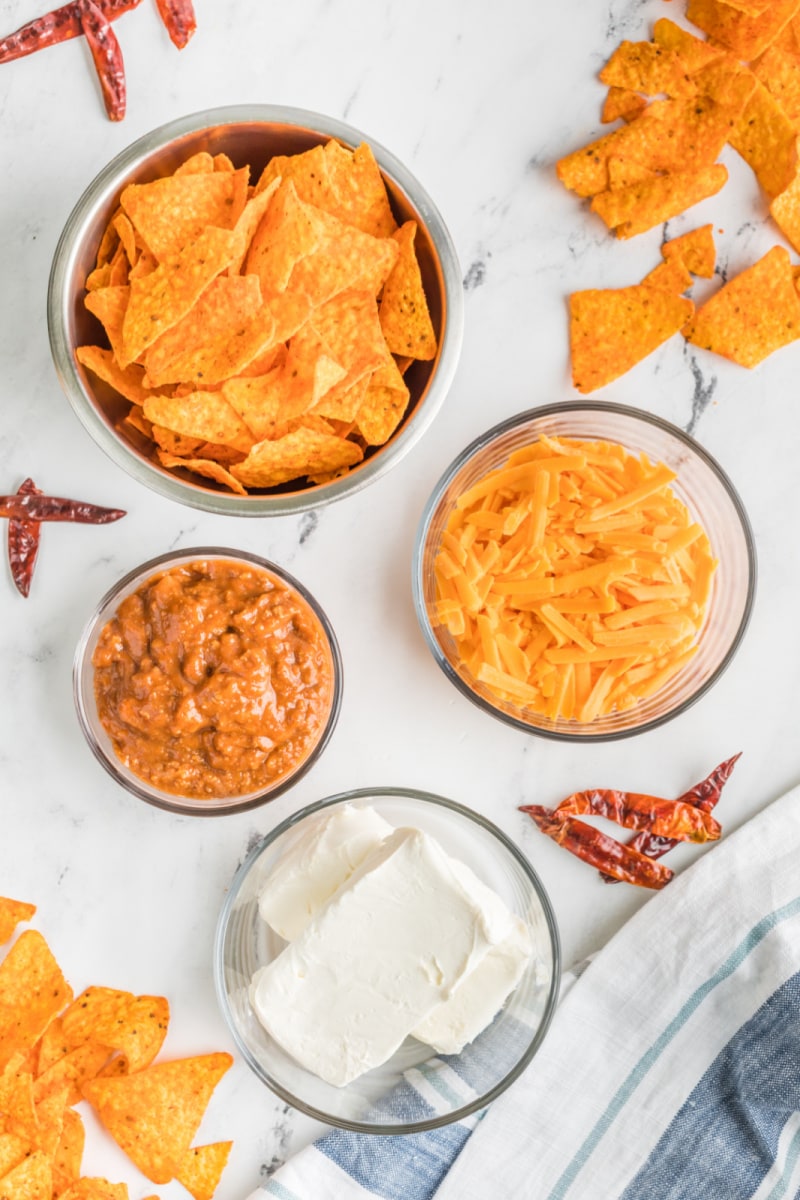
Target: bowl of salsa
{"type": "Point", "coordinates": [207, 681]}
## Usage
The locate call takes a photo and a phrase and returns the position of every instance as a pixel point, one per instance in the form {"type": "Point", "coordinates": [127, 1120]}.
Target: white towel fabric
{"type": "Point", "coordinates": [671, 1070]}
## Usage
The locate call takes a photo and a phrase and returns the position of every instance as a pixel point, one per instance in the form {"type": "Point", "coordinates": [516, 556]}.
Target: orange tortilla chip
{"type": "Point", "coordinates": [32, 991]}
{"type": "Point", "coordinates": [359, 195]}
{"type": "Point", "coordinates": [69, 1151]}
{"type": "Point", "coordinates": [197, 348]}
{"type": "Point", "coordinates": [161, 299]}
{"type": "Point", "coordinates": [199, 164]}
{"type": "Point", "coordinates": [694, 52]}
{"type": "Point", "coordinates": [342, 402]}
{"type": "Point", "coordinates": [779, 72]}
{"type": "Point", "coordinates": [621, 103]}
{"type": "Point", "coordinates": [16, 1100]}
{"type": "Point", "coordinates": [299, 453]}
{"type": "Point", "coordinates": [696, 250]}
{"type": "Point", "coordinates": [767, 140]}
{"type": "Point", "coordinates": [405, 319]}
{"type": "Point", "coordinates": [612, 330]}
{"type": "Point", "coordinates": [634, 209]}
{"type": "Point", "coordinates": [349, 328]}
{"type": "Point", "coordinates": [71, 1071]}
{"type": "Point", "coordinates": [109, 305]}
{"type": "Point", "coordinates": [204, 415]}
{"type": "Point", "coordinates": [286, 234]}
{"type": "Point", "coordinates": [344, 257]}
{"type": "Point", "coordinates": [50, 1118]}
{"type": "Point", "coordinates": [383, 407]}
{"type": "Point", "coordinates": [132, 1025]}
{"type": "Point", "coordinates": [649, 68]}
{"type": "Point", "coordinates": [173, 211]}
{"type": "Point", "coordinates": [32, 1179]}
{"type": "Point", "coordinates": [128, 381]}
{"type": "Point", "coordinates": [622, 172]}
{"type": "Point", "coordinates": [753, 315]}
{"type": "Point", "coordinates": [208, 467]}
{"type": "Point", "coordinates": [92, 1188]}
{"type": "Point", "coordinates": [154, 1114]}
{"type": "Point", "coordinates": [13, 913]}
{"type": "Point", "coordinates": [201, 1168]}
{"type": "Point", "coordinates": [308, 172]}
{"type": "Point", "coordinates": [12, 1151]}
{"type": "Point", "coordinates": [747, 35]}
{"type": "Point", "coordinates": [672, 275]}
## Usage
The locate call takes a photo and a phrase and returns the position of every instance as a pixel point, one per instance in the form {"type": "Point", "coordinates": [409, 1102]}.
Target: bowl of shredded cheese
{"type": "Point", "coordinates": [585, 571]}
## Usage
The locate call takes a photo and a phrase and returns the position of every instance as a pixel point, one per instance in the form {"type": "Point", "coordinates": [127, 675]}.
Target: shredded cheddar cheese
{"type": "Point", "coordinates": [572, 579]}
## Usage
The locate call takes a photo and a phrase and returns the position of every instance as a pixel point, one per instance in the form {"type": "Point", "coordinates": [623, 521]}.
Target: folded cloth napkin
{"type": "Point", "coordinates": [671, 1070]}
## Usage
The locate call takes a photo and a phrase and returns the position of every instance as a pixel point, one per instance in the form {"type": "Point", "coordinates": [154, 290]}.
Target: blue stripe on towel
{"type": "Point", "coordinates": [734, 960]}
{"type": "Point", "coordinates": [396, 1168]}
{"type": "Point", "coordinates": [724, 1140]}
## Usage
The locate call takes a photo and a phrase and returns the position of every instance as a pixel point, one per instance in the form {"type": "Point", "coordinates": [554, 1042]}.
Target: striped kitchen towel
{"type": "Point", "coordinates": [671, 1070]}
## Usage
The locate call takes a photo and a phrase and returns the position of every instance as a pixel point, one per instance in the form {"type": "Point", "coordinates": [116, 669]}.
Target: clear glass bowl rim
{"type": "Point", "coordinates": [481, 443]}
{"type": "Point", "coordinates": [81, 664]}
{"type": "Point", "coordinates": [550, 921]}
{"type": "Point", "coordinates": [99, 191]}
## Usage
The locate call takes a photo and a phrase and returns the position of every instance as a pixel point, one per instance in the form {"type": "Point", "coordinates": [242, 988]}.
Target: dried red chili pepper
{"type": "Point", "coordinates": [179, 19]}
{"type": "Point", "coordinates": [674, 819]}
{"type": "Point", "coordinates": [23, 542]}
{"type": "Point", "coordinates": [107, 57]}
{"type": "Point", "coordinates": [57, 26]}
{"type": "Point", "coordinates": [598, 849]}
{"type": "Point", "coordinates": [55, 508]}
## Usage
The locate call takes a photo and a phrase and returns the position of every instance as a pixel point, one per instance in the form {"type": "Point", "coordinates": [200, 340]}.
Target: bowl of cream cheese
{"type": "Point", "coordinates": [387, 961]}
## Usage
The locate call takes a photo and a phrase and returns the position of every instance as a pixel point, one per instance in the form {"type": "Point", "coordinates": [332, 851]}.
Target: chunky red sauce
{"type": "Point", "coordinates": [214, 679]}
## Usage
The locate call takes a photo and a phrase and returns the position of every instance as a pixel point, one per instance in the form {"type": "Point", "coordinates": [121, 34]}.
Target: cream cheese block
{"type": "Point", "coordinates": [389, 946]}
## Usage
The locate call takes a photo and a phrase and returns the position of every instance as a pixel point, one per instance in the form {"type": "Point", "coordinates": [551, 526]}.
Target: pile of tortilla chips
{"type": "Point", "coordinates": [662, 160]}
{"type": "Point", "coordinates": [260, 333]}
{"type": "Point", "coordinates": [56, 1050]}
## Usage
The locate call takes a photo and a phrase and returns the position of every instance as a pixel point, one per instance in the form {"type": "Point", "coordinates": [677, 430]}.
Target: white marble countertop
{"type": "Point", "coordinates": [478, 100]}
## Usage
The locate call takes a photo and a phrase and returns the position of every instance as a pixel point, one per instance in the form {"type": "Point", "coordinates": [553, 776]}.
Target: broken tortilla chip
{"type": "Point", "coordinates": [13, 913]}
{"type": "Point", "coordinates": [32, 991]}
{"type": "Point", "coordinates": [696, 250]}
{"type": "Point", "coordinates": [753, 315]}
{"type": "Point", "coordinates": [649, 68]}
{"type": "Point", "coordinates": [612, 330]}
{"type": "Point", "coordinates": [201, 1167]}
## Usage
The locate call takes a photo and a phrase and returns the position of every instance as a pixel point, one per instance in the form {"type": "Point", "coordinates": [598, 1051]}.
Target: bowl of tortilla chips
{"type": "Point", "coordinates": [255, 310]}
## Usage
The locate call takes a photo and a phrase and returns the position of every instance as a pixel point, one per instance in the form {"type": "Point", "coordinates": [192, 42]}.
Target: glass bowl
{"type": "Point", "coordinates": [99, 740]}
{"type": "Point", "coordinates": [381, 1101]}
{"type": "Point", "coordinates": [247, 134]}
{"type": "Point", "coordinates": [703, 487]}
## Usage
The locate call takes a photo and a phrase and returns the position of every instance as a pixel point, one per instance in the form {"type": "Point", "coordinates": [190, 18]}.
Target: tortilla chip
{"type": "Point", "coordinates": [50, 1118]}
{"type": "Point", "coordinates": [30, 1180]}
{"type": "Point", "coordinates": [287, 233]}
{"type": "Point", "coordinates": [297, 454]}
{"type": "Point", "coordinates": [649, 68]}
{"type": "Point", "coordinates": [251, 216]}
{"type": "Point", "coordinates": [383, 406]}
{"type": "Point", "coordinates": [198, 347]}
{"type": "Point", "coordinates": [16, 1100]}
{"type": "Point", "coordinates": [359, 195]}
{"type": "Point", "coordinates": [69, 1151]}
{"type": "Point", "coordinates": [634, 209]}
{"type": "Point", "coordinates": [767, 140]}
{"type": "Point", "coordinates": [308, 172]}
{"type": "Point", "coordinates": [696, 250]}
{"type": "Point", "coordinates": [669, 135]}
{"type": "Point", "coordinates": [753, 315]}
{"type": "Point", "coordinates": [109, 305]}
{"type": "Point", "coordinates": [92, 1188]}
{"type": "Point", "coordinates": [694, 53]}
{"type": "Point", "coordinates": [32, 992]}
{"type": "Point", "coordinates": [267, 402]}
{"type": "Point", "coordinates": [13, 913]}
{"type": "Point", "coordinates": [404, 316]}
{"type": "Point", "coordinates": [204, 415]}
{"type": "Point", "coordinates": [779, 72]}
{"type": "Point", "coordinates": [201, 1167]}
{"type": "Point", "coordinates": [108, 242]}
{"type": "Point", "coordinates": [621, 103]}
{"type": "Point", "coordinates": [785, 212]}
{"type": "Point", "coordinates": [154, 1114]}
{"type": "Point", "coordinates": [622, 172]}
{"type": "Point", "coordinates": [748, 36]}
{"type": "Point", "coordinates": [171, 212]}
{"type": "Point", "coordinates": [729, 83]}
{"type": "Point", "coordinates": [199, 164]}
{"type": "Point", "coordinates": [71, 1071]}
{"type": "Point", "coordinates": [341, 403]}
{"type": "Point", "coordinates": [164, 297]}
{"type": "Point", "coordinates": [207, 467]}
{"type": "Point", "coordinates": [612, 330]}
{"type": "Point", "coordinates": [12, 1151]}
{"type": "Point", "coordinates": [349, 328]}
{"type": "Point", "coordinates": [344, 257]}
{"type": "Point", "coordinates": [127, 237]}
{"type": "Point", "coordinates": [672, 275]}
{"type": "Point", "coordinates": [128, 381]}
